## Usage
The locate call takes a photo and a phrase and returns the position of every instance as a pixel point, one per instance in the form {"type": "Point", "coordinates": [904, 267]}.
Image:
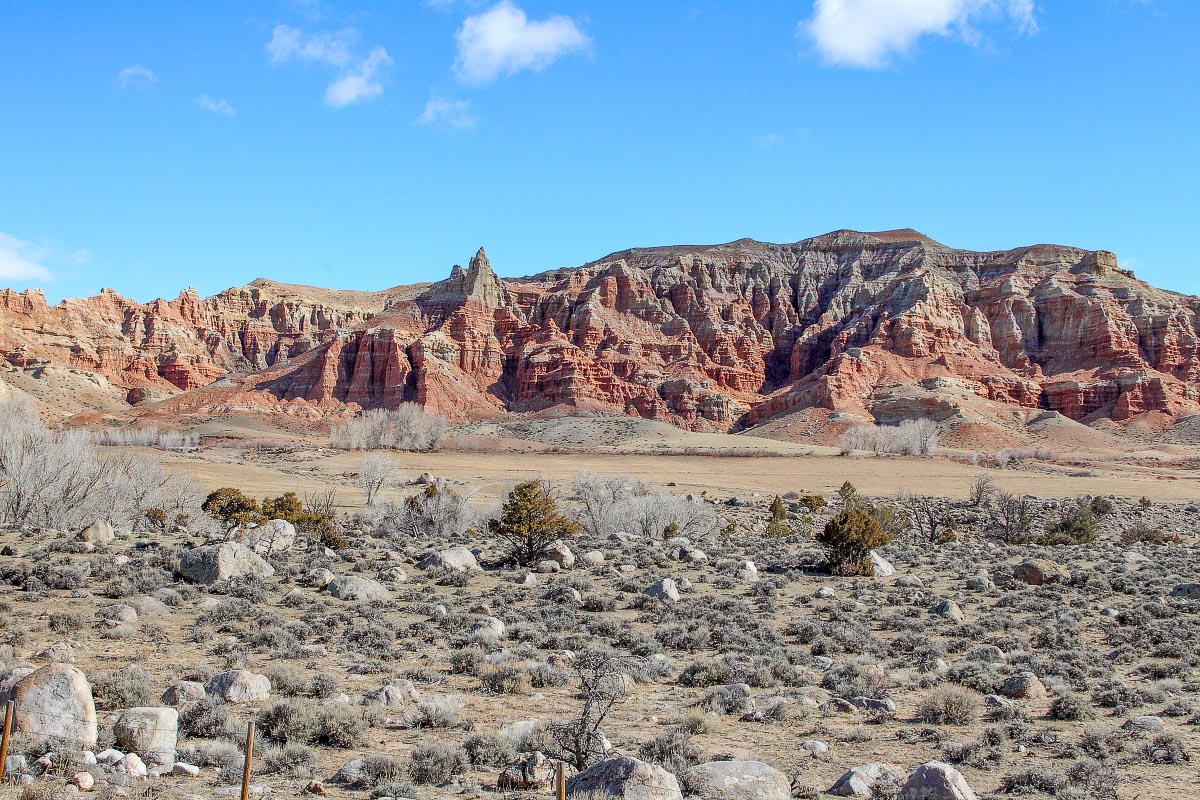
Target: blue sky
{"type": "Point", "coordinates": [152, 146]}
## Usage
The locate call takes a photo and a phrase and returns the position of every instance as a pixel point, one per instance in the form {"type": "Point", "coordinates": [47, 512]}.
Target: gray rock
{"type": "Point", "coordinates": [949, 609]}
{"type": "Point", "coordinates": [627, 779]}
{"type": "Point", "coordinates": [883, 568]}
{"type": "Point", "coordinates": [664, 590]}
{"type": "Point", "coordinates": [219, 562]}
{"type": "Point", "coordinates": [737, 780]}
{"type": "Point", "coordinates": [395, 694]}
{"type": "Point", "coordinates": [936, 781]}
{"type": "Point", "coordinates": [458, 559]}
{"type": "Point", "coordinates": [747, 572]}
{"type": "Point", "coordinates": [149, 732]}
{"type": "Point", "coordinates": [239, 686]}
{"type": "Point", "coordinates": [489, 627]}
{"type": "Point", "coordinates": [273, 536]}
{"type": "Point", "coordinates": [55, 702]}
{"type": "Point", "coordinates": [860, 781]}
{"type": "Point", "coordinates": [1147, 723]}
{"type": "Point", "coordinates": [99, 532]}
{"type": "Point", "coordinates": [182, 692]}
{"type": "Point", "coordinates": [359, 589]}
{"type": "Point", "coordinates": [57, 653]}
{"type": "Point", "coordinates": [593, 558]}
{"type": "Point", "coordinates": [560, 553]}
{"type": "Point", "coordinates": [1023, 685]}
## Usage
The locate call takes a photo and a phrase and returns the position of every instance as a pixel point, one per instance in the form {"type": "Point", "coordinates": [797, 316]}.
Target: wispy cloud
{"type": "Point", "coordinates": [22, 261]}
{"type": "Point", "coordinates": [220, 107]}
{"type": "Point", "coordinates": [867, 33]}
{"type": "Point", "coordinates": [335, 48]}
{"type": "Point", "coordinates": [357, 79]}
{"type": "Point", "coordinates": [137, 77]}
{"type": "Point", "coordinates": [451, 113]}
{"type": "Point", "coordinates": [503, 41]}
{"type": "Point", "coordinates": [362, 82]}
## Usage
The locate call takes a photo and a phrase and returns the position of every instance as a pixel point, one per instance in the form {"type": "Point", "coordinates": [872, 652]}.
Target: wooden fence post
{"type": "Point", "coordinates": [246, 766]}
{"type": "Point", "coordinates": [8, 715]}
{"type": "Point", "coordinates": [560, 781]}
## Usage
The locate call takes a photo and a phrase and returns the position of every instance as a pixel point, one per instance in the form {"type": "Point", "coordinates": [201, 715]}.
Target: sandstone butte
{"type": "Point", "coordinates": [710, 338]}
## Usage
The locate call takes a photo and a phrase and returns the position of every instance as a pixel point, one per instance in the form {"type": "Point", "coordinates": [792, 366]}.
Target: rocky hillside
{"type": "Point", "coordinates": [705, 337]}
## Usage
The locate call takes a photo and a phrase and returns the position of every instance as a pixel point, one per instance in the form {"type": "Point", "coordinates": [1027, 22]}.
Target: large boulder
{"type": "Point", "coordinates": [396, 694]}
{"type": "Point", "coordinates": [626, 778]}
{"type": "Point", "coordinates": [55, 702]}
{"type": "Point", "coordinates": [273, 536]}
{"type": "Point", "coordinates": [1023, 685]}
{"type": "Point", "coordinates": [1188, 591]}
{"type": "Point", "coordinates": [358, 589]}
{"type": "Point", "coordinates": [948, 609]}
{"type": "Point", "coordinates": [860, 781]}
{"type": "Point", "coordinates": [1038, 571]}
{"type": "Point", "coordinates": [664, 590]}
{"type": "Point", "coordinates": [182, 692]}
{"type": "Point", "coordinates": [220, 562]}
{"type": "Point", "coordinates": [936, 781]}
{"type": "Point", "coordinates": [561, 554]}
{"type": "Point", "coordinates": [457, 559]}
{"type": "Point", "coordinates": [99, 532]}
{"type": "Point", "coordinates": [883, 568]}
{"type": "Point", "coordinates": [239, 686]}
{"type": "Point", "coordinates": [149, 732]}
{"type": "Point", "coordinates": [737, 780]}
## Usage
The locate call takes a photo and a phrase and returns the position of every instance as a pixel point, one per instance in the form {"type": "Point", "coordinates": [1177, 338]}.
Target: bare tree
{"type": "Point", "coordinates": [603, 682]}
{"type": "Point", "coordinates": [1011, 517]}
{"type": "Point", "coordinates": [376, 472]}
{"type": "Point", "coordinates": [930, 522]}
{"type": "Point", "coordinates": [983, 490]}
{"type": "Point", "coordinates": [323, 503]}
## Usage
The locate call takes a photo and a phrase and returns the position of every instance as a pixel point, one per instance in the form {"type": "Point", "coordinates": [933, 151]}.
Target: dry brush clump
{"type": "Point", "coordinates": [912, 437]}
{"type": "Point", "coordinates": [407, 427]}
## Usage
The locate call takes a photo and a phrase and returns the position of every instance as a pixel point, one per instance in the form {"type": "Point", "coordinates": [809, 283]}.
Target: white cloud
{"type": "Point", "coordinates": [220, 107]}
{"type": "Point", "coordinates": [453, 113]}
{"type": "Point", "coordinates": [357, 80]}
{"type": "Point", "coordinates": [137, 77]}
{"type": "Point", "coordinates": [335, 48]}
{"type": "Point", "coordinates": [866, 33]}
{"type": "Point", "coordinates": [360, 83]}
{"type": "Point", "coordinates": [503, 41]}
{"type": "Point", "coordinates": [21, 260]}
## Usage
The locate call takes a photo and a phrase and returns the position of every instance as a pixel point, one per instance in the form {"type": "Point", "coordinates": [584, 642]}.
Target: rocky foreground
{"type": "Point", "coordinates": [377, 664]}
{"type": "Point", "coordinates": [887, 325]}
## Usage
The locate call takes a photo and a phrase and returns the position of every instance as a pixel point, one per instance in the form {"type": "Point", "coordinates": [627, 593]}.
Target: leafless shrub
{"type": "Point", "coordinates": [180, 441]}
{"type": "Point", "coordinates": [408, 427]}
{"type": "Point", "coordinates": [376, 472]}
{"type": "Point", "coordinates": [437, 512]}
{"type": "Point", "coordinates": [983, 490]}
{"type": "Point", "coordinates": [614, 503]}
{"type": "Point", "coordinates": [1011, 517]}
{"type": "Point", "coordinates": [913, 437]}
{"type": "Point", "coordinates": [53, 479]}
